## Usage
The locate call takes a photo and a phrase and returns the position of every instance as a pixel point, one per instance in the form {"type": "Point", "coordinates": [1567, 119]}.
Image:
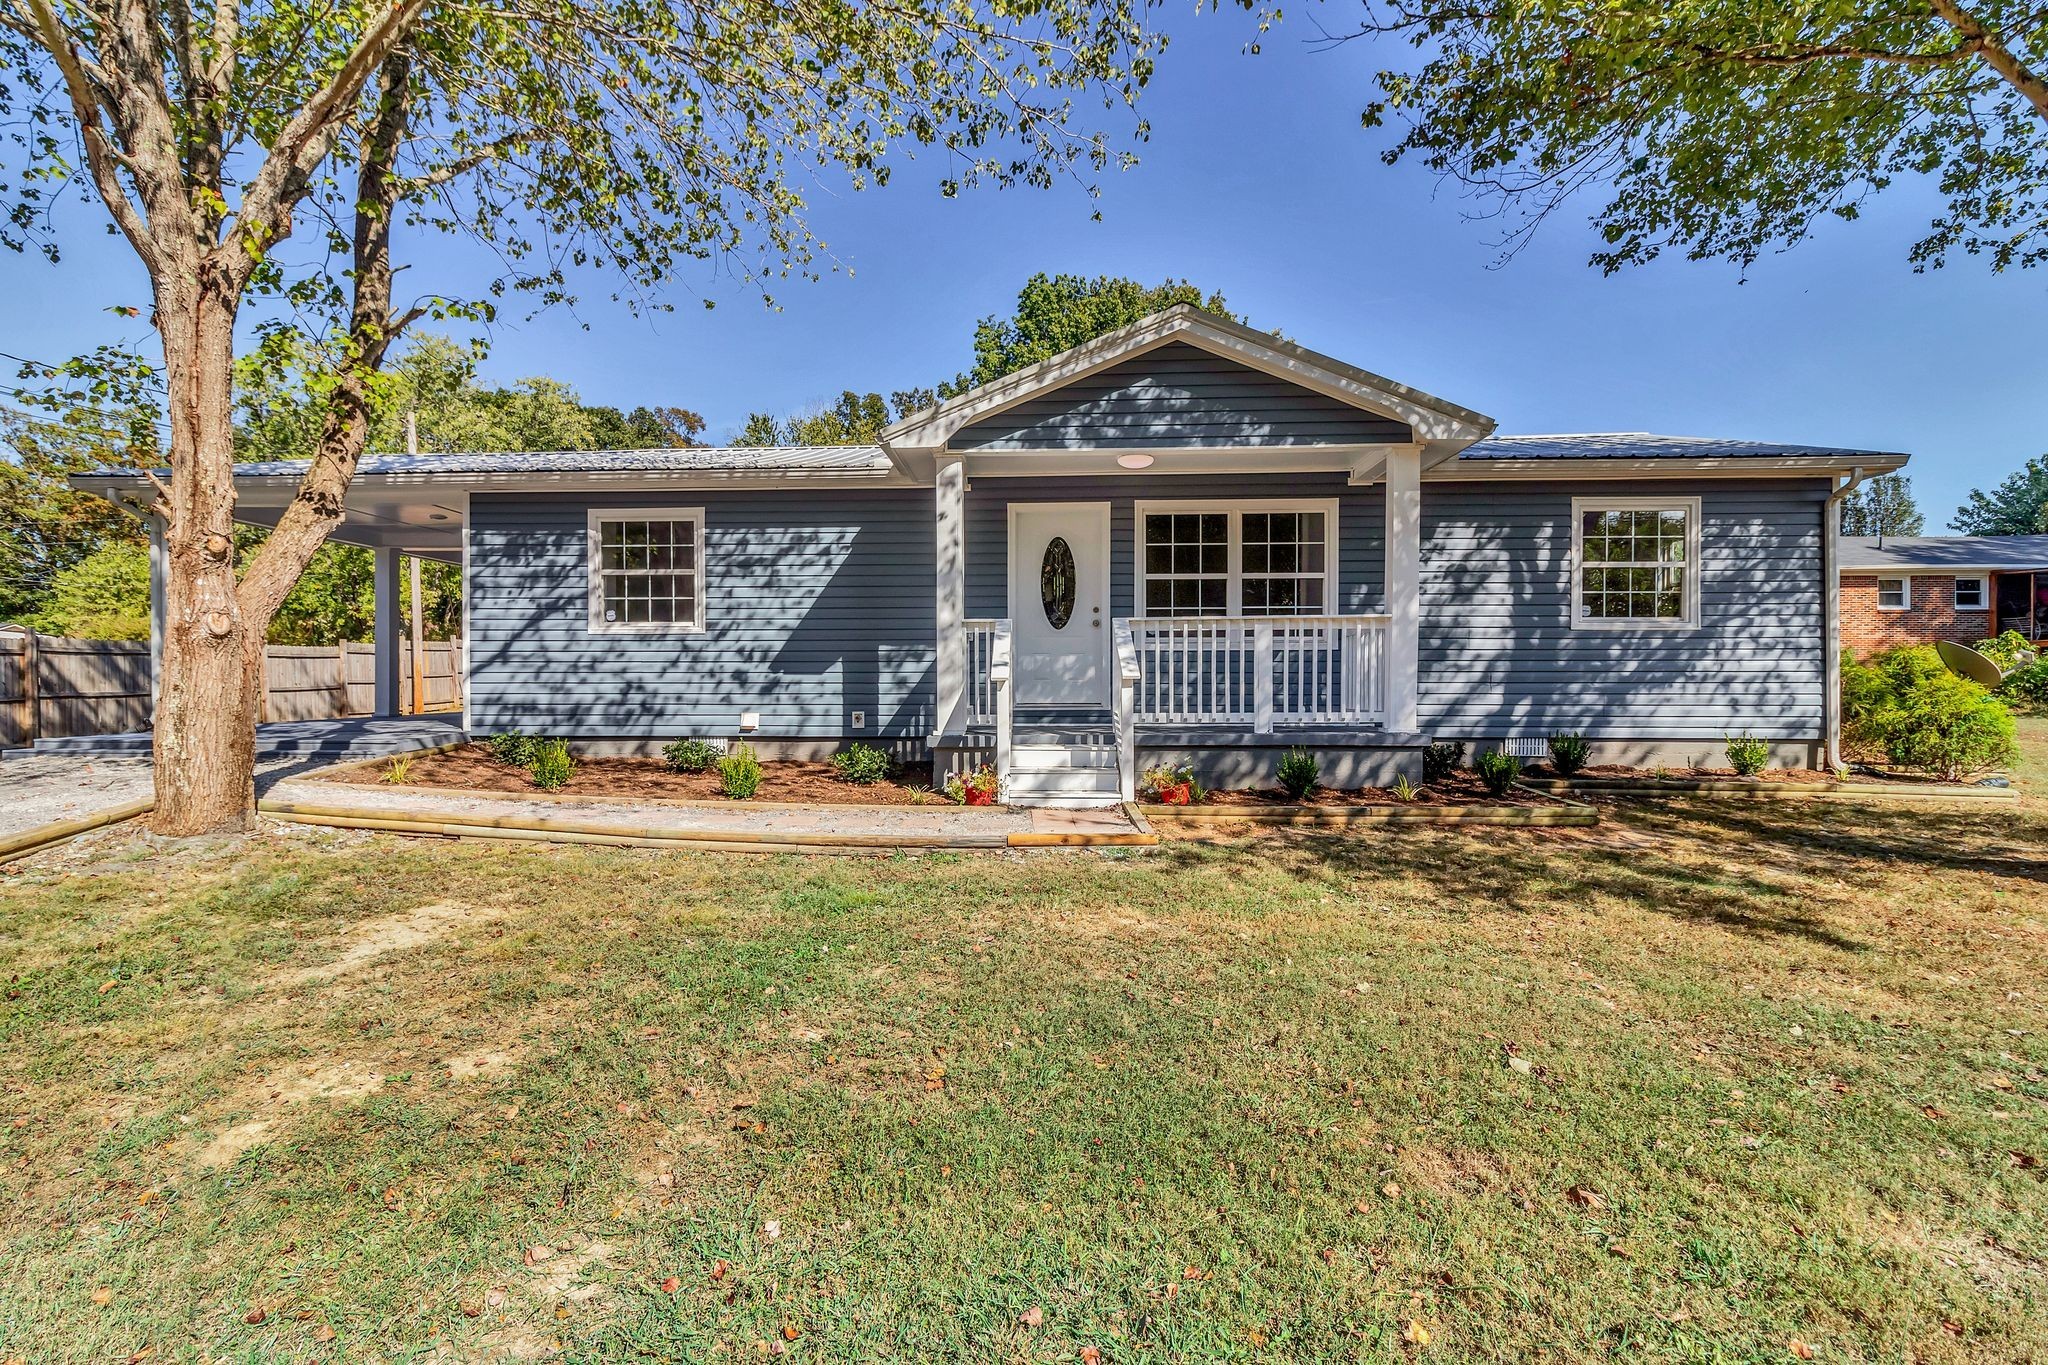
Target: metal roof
{"type": "Point", "coordinates": [1945, 552]}
{"type": "Point", "coordinates": [1643, 445]}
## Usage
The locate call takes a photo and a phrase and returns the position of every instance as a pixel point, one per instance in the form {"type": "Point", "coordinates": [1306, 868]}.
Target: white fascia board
{"type": "Point", "coordinates": [1734, 466]}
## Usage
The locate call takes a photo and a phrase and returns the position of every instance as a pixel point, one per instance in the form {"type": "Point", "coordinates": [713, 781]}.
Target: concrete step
{"type": "Point", "coordinates": [1029, 783]}
{"type": "Point", "coordinates": [1047, 756]}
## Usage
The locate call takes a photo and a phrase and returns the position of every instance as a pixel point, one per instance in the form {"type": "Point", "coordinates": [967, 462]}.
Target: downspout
{"type": "Point", "coordinates": [1831, 579]}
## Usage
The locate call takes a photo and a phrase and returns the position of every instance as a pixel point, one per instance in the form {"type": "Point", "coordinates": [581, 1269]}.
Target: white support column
{"type": "Point", "coordinates": [1404, 587]}
{"type": "Point", "coordinates": [951, 522]}
{"type": "Point", "coordinates": [388, 630]}
{"type": "Point", "coordinates": [159, 606]}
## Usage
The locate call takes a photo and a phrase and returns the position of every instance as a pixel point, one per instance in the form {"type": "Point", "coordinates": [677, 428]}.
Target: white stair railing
{"type": "Point", "coordinates": [999, 684]}
{"type": "Point", "coordinates": [1128, 676]}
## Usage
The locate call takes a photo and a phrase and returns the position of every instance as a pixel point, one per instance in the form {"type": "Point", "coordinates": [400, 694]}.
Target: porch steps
{"type": "Point", "coordinates": [1063, 756]}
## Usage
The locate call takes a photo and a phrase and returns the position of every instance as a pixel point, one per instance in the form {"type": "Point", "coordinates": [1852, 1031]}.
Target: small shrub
{"type": "Point", "coordinates": [2027, 686]}
{"type": "Point", "coordinates": [1747, 754]}
{"type": "Point", "coordinates": [1441, 759]}
{"type": "Point", "coordinates": [861, 764]}
{"type": "Point", "coordinates": [552, 764]}
{"type": "Point", "coordinates": [2009, 650]}
{"type": "Point", "coordinates": [398, 772]}
{"type": "Point", "coordinates": [1498, 769]}
{"type": "Point", "coordinates": [1569, 752]}
{"type": "Point", "coordinates": [1404, 790]}
{"type": "Point", "coordinates": [513, 749]}
{"type": "Point", "coordinates": [1300, 773]}
{"type": "Point", "coordinates": [690, 755]}
{"type": "Point", "coordinates": [739, 772]}
{"type": "Point", "coordinates": [956, 791]}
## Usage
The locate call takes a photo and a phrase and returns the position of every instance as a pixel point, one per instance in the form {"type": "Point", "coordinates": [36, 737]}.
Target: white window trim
{"type": "Point", "coordinates": [1983, 582]}
{"type": "Point", "coordinates": [593, 559]}
{"type": "Point", "coordinates": [1905, 592]}
{"type": "Point", "coordinates": [1693, 568]}
{"type": "Point", "coordinates": [1234, 567]}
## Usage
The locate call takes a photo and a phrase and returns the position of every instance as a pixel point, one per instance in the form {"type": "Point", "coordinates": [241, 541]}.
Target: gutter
{"type": "Point", "coordinates": [1831, 579]}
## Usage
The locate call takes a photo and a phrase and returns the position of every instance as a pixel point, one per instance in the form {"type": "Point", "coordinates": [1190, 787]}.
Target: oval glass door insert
{"type": "Point", "coordinates": [1056, 583]}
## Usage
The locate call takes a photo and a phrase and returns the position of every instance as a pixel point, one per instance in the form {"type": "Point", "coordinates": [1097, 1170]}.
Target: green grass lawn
{"type": "Point", "coordinates": [1711, 1083]}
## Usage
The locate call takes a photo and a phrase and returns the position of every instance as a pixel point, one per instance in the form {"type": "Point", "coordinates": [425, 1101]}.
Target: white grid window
{"type": "Point", "coordinates": [647, 570]}
{"type": "Point", "coordinates": [1265, 559]}
{"type": "Point", "coordinates": [1637, 563]}
{"type": "Point", "coordinates": [1971, 595]}
{"type": "Point", "coordinates": [1894, 594]}
{"type": "Point", "coordinates": [1284, 563]}
{"type": "Point", "coordinates": [1187, 564]}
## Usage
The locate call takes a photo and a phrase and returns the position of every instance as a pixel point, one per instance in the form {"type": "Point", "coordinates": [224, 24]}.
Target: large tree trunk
{"type": "Point", "coordinates": [209, 695]}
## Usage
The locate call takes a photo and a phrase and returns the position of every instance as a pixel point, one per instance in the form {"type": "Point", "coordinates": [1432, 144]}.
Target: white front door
{"type": "Point", "coordinates": [1059, 603]}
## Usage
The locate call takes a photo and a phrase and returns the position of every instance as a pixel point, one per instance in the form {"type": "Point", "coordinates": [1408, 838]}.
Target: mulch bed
{"type": "Point", "coordinates": [1617, 772]}
{"type": "Point", "coordinates": [1459, 789]}
{"type": "Point", "coordinates": [471, 768]}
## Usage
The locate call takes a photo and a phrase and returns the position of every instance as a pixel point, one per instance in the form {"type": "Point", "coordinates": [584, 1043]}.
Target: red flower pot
{"type": "Point", "coordinates": [1179, 794]}
{"type": "Point", "coordinates": [980, 796]}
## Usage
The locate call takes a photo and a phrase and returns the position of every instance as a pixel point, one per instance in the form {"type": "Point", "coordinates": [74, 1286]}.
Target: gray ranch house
{"type": "Point", "coordinates": [1185, 540]}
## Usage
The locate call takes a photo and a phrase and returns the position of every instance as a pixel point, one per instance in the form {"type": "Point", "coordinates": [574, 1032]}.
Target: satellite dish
{"type": "Point", "coordinates": [1969, 663]}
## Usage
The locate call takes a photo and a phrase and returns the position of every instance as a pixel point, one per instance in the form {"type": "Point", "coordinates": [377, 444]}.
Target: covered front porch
{"type": "Point", "coordinates": [1095, 624]}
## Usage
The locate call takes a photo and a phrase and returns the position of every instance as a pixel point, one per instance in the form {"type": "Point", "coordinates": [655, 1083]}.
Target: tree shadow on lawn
{"type": "Point", "coordinates": [1982, 842]}
{"type": "Point", "coordinates": [1548, 871]}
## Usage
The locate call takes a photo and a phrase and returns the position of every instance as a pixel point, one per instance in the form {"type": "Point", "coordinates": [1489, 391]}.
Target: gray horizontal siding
{"type": "Point", "coordinates": [1177, 395]}
{"type": "Point", "coordinates": [1361, 528]}
{"type": "Point", "coordinates": [1499, 656]}
{"type": "Point", "coordinates": [817, 604]}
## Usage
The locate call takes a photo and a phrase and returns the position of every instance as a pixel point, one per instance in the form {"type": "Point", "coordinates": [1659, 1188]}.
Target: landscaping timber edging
{"type": "Point", "coordinates": [1566, 814]}
{"type": "Point", "coordinates": [1738, 789]}
{"type": "Point", "coordinates": [550, 829]}
{"type": "Point", "coordinates": [36, 840]}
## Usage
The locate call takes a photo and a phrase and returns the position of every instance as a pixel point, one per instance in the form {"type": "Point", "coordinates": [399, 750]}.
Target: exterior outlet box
{"type": "Point", "coordinates": [750, 720]}
{"type": "Point", "coordinates": [860, 720]}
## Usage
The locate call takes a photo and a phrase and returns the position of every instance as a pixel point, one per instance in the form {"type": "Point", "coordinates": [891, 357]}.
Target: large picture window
{"type": "Point", "coordinates": [1635, 563]}
{"type": "Point", "coordinates": [647, 570]}
{"type": "Point", "coordinates": [1257, 559]}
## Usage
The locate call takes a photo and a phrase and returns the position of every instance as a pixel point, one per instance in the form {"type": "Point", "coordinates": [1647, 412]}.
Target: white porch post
{"type": "Point", "coordinates": [386, 630]}
{"type": "Point", "coordinates": [1404, 587]}
{"type": "Point", "coordinates": [159, 607]}
{"type": "Point", "coordinates": [951, 499]}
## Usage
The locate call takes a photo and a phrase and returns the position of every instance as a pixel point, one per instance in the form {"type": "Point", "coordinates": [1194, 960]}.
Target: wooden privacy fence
{"type": "Point", "coordinates": [52, 687]}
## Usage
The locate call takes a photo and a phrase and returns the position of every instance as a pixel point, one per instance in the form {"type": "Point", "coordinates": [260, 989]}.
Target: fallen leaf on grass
{"type": "Point", "coordinates": [495, 1296]}
{"type": "Point", "coordinates": [1415, 1334]}
{"type": "Point", "coordinates": [1585, 1197]}
{"type": "Point", "coordinates": [255, 1317]}
{"type": "Point", "coordinates": [1034, 1316]}
{"type": "Point", "coordinates": [538, 1252]}
{"type": "Point", "coordinates": [718, 1270]}
{"type": "Point", "coordinates": [1391, 1190]}
{"type": "Point", "coordinates": [671, 1285]}
{"type": "Point", "coordinates": [771, 1229]}
{"type": "Point", "coordinates": [1800, 1349]}
{"type": "Point", "coordinates": [790, 1331]}
{"type": "Point", "coordinates": [1934, 1111]}
{"type": "Point", "coordinates": [102, 1296]}
{"type": "Point", "coordinates": [2026, 1161]}
{"type": "Point", "coordinates": [323, 1333]}
{"type": "Point", "coordinates": [1091, 1355]}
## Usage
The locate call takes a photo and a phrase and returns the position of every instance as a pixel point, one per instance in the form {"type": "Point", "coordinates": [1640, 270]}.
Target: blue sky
{"type": "Point", "coordinates": [1259, 182]}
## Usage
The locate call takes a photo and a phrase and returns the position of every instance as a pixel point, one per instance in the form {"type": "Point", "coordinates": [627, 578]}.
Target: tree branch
{"type": "Point", "coordinates": [265, 213]}
{"type": "Point", "coordinates": [1995, 53]}
{"type": "Point", "coordinates": [102, 157]}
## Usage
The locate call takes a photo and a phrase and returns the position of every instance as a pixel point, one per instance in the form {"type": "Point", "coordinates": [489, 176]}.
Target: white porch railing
{"type": "Point", "coordinates": [1263, 672]}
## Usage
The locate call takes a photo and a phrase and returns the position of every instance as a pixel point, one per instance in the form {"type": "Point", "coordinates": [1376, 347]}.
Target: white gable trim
{"type": "Point", "coordinates": [1444, 428]}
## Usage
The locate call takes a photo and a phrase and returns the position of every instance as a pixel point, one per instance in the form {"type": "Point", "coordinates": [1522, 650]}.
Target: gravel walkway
{"type": "Point", "coordinates": [52, 789]}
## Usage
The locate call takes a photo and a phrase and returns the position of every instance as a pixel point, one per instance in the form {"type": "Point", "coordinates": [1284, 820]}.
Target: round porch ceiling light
{"type": "Point", "coordinates": [437, 516]}
{"type": "Point", "coordinates": [1135, 461]}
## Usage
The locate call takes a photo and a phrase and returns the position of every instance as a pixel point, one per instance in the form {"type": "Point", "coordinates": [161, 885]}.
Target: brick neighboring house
{"type": "Point", "coordinates": [1912, 590]}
